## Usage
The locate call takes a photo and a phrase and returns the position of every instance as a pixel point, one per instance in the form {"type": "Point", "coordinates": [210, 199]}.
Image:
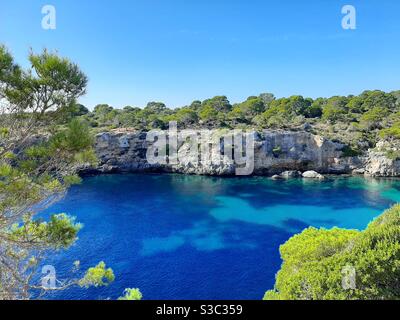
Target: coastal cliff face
{"type": "Point", "coordinates": [379, 163]}
{"type": "Point", "coordinates": [274, 152]}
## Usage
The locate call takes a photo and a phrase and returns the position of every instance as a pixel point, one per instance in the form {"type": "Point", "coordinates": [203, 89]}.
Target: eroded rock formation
{"type": "Point", "coordinates": [274, 152]}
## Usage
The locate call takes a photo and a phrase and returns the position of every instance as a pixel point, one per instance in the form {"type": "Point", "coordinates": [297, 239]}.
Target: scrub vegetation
{"type": "Point", "coordinates": [357, 121]}
{"type": "Point", "coordinates": [37, 161]}
{"type": "Point", "coordinates": [315, 263]}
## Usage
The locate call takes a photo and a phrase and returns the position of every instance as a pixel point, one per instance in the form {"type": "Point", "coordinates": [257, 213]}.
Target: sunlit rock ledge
{"type": "Point", "coordinates": [274, 153]}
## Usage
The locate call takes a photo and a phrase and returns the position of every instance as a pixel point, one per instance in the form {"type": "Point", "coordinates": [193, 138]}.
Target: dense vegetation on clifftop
{"type": "Point", "coordinates": [358, 121]}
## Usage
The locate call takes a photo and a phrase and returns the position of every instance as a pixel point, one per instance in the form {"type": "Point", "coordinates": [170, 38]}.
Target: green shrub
{"type": "Point", "coordinates": [208, 113]}
{"type": "Point", "coordinates": [277, 151]}
{"type": "Point", "coordinates": [313, 262]}
{"type": "Point", "coordinates": [131, 294]}
{"type": "Point", "coordinates": [374, 116]}
{"type": "Point", "coordinates": [392, 132]}
{"type": "Point", "coordinates": [392, 154]}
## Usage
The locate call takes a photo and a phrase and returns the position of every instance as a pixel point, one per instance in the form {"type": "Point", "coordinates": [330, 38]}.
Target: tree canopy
{"type": "Point", "coordinates": [315, 260]}
{"type": "Point", "coordinates": [38, 158]}
{"type": "Point", "coordinates": [357, 121]}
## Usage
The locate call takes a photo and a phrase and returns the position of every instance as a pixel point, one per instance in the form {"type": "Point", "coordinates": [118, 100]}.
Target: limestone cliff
{"type": "Point", "coordinates": [379, 163]}
{"type": "Point", "coordinates": [274, 152]}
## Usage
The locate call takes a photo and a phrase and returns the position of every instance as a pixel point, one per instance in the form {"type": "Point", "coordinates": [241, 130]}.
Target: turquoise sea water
{"type": "Point", "coordinates": [191, 237]}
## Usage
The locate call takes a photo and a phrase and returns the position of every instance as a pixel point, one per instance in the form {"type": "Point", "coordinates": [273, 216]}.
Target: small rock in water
{"type": "Point", "coordinates": [290, 174]}
{"type": "Point", "coordinates": [276, 177]}
{"type": "Point", "coordinates": [359, 171]}
{"type": "Point", "coordinates": [313, 175]}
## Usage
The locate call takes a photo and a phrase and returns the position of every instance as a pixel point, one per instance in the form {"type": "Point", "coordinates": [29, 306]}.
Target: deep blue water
{"type": "Point", "coordinates": [191, 237]}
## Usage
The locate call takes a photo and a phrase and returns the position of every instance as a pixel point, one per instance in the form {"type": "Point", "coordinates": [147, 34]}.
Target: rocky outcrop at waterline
{"type": "Point", "coordinates": [382, 161]}
{"type": "Point", "coordinates": [275, 152]}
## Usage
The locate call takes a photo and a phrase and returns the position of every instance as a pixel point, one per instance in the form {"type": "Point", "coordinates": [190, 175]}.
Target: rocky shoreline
{"type": "Point", "coordinates": [278, 154]}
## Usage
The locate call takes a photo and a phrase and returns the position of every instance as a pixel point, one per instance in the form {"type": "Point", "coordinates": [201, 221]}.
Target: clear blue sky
{"type": "Point", "coordinates": [179, 51]}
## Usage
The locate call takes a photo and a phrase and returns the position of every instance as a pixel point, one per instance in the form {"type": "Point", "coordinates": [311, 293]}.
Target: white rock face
{"type": "Point", "coordinates": [358, 171]}
{"type": "Point", "coordinates": [278, 153]}
{"type": "Point", "coordinates": [378, 164]}
{"type": "Point", "coordinates": [274, 153]}
{"type": "Point", "coordinates": [311, 174]}
{"type": "Point", "coordinates": [291, 174]}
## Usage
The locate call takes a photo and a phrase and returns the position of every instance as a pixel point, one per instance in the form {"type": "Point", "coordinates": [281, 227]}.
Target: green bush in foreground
{"type": "Point", "coordinates": [313, 262]}
{"type": "Point", "coordinates": [38, 158]}
{"type": "Point", "coordinates": [131, 294]}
